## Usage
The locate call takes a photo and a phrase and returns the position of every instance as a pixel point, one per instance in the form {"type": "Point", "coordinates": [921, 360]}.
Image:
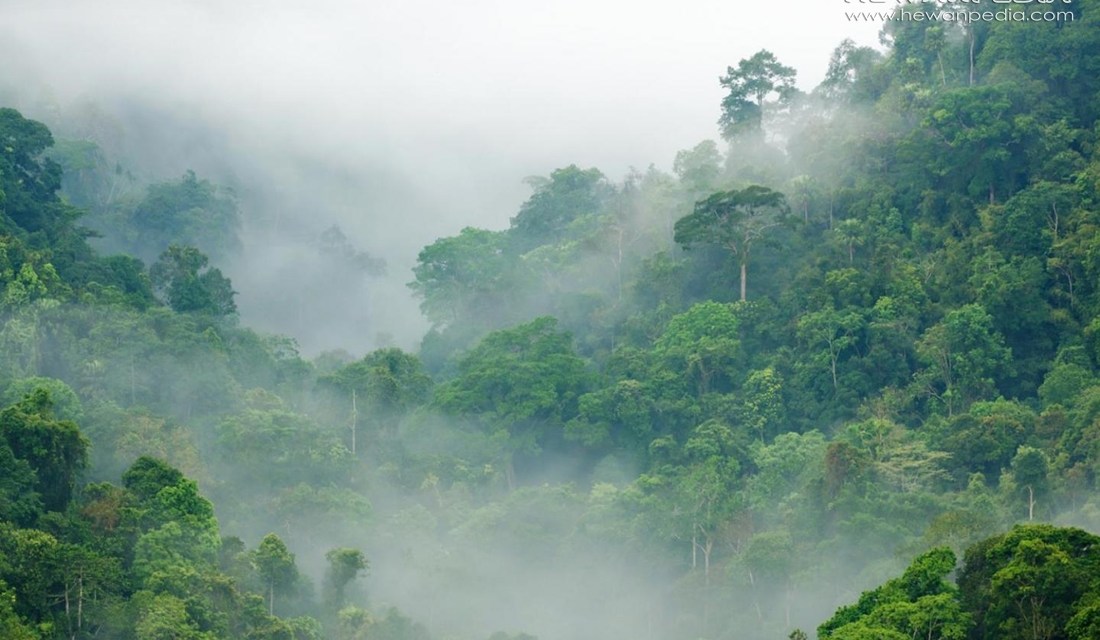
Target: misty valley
{"type": "Point", "coordinates": [835, 375]}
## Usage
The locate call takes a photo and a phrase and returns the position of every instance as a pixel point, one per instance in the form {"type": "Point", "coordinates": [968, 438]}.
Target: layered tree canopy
{"type": "Point", "coordinates": [857, 338]}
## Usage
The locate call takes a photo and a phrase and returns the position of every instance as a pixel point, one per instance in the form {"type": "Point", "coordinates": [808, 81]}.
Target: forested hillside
{"type": "Point", "coordinates": [714, 403]}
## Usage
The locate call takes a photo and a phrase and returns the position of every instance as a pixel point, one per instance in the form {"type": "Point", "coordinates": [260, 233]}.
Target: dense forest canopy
{"type": "Point", "coordinates": [856, 343]}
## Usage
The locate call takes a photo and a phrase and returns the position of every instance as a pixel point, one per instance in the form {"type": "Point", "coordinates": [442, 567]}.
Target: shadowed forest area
{"type": "Point", "coordinates": [836, 374]}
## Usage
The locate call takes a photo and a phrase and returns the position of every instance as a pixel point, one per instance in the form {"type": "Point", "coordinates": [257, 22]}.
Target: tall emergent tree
{"type": "Point", "coordinates": [344, 565]}
{"type": "Point", "coordinates": [750, 85]}
{"type": "Point", "coordinates": [275, 564]}
{"type": "Point", "coordinates": [735, 220]}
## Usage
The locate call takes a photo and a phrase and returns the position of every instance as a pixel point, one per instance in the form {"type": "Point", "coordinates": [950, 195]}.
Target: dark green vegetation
{"type": "Point", "coordinates": [711, 404]}
{"type": "Point", "coordinates": [1036, 581]}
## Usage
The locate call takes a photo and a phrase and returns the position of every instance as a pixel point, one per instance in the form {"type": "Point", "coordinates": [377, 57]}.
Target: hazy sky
{"type": "Point", "coordinates": [432, 112]}
{"type": "Point", "coordinates": [610, 83]}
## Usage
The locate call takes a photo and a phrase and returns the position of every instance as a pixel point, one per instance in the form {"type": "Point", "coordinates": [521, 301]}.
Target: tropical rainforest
{"type": "Point", "coordinates": [837, 374]}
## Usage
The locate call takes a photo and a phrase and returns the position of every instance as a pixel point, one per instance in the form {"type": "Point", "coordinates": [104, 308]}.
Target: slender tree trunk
{"type": "Point", "coordinates": [80, 604]}
{"type": "Point", "coordinates": [972, 43]}
{"type": "Point", "coordinates": [354, 420]}
{"type": "Point", "coordinates": [68, 616]}
{"type": "Point", "coordinates": [111, 192]}
{"type": "Point", "coordinates": [36, 356]}
{"type": "Point", "coordinates": [619, 266]}
{"type": "Point", "coordinates": [755, 600]}
{"type": "Point", "coordinates": [510, 473]}
{"type": "Point", "coordinates": [704, 379]}
{"type": "Point", "coordinates": [271, 599]}
{"type": "Point", "coordinates": [744, 278]}
{"type": "Point", "coordinates": [707, 548]}
{"type": "Point", "coordinates": [1030, 504]}
{"type": "Point", "coordinates": [833, 359]}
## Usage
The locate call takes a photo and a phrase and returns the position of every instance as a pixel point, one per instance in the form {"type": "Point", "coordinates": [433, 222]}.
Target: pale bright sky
{"type": "Point", "coordinates": [612, 83]}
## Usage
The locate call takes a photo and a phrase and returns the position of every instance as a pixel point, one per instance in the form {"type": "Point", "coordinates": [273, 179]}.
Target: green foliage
{"type": "Point", "coordinates": [735, 220]}
{"type": "Point", "coordinates": [26, 275]}
{"type": "Point", "coordinates": [388, 382]}
{"type": "Point", "coordinates": [11, 626]}
{"type": "Point", "coordinates": [395, 626]}
{"type": "Point", "coordinates": [917, 368]}
{"type": "Point", "coordinates": [64, 403]}
{"type": "Point", "coordinates": [1064, 383]}
{"type": "Point", "coordinates": [702, 345]}
{"type": "Point", "coordinates": [614, 417]}
{"type": "Point", "coordinates": [27, 181]}
{"type": "Point", "coordinates": [19, 501]}
{"type": "Point", "coordinates": [135, 560]}
{"type": "Point", "coordinates": [963, 356]}
{"type": "Point", "coordinates": [182, 503]}
{"type": "Point", "coordinates": [459, 275]}
{"type": "Point", "coordinates": [918, 604]}
{"type": "Point", "coordinates": [320, 508]}
{"type": "Point", "coordinates": [533, 520]}
{"type": "Point", "coordinates": [830, 334]}
{"type": "Point", "coordinates": [276, 567]}
{"type": "Point", "coordinates": [343, 566]}
{"type": "Point", "coordinates": [123, 436]}
{"type": "Point", "coordinates": [783, 468]}
{"type": "Point", "coordinates": [181, 276]}
{"type": "Point", "coordinates": [851, 76]}
{"type": "Point", "coordinates": [172, 547]}
{"type": "Point", "coordinates": [984, 128]}
{"type": "Point", "coordinates": [147, 476]}
{"type": "Point", "coordinates": [1030, 582]}
{"type": "Point", "coordinates": [699, 167]}
{"type": "Point", "coordinates": [277, 446]}
{"type": "Point", "coordinates": [750, 84]}
{"type": "Point", "coordinates": [565, 199]}
{"type": "Point", "coordinates": [54, 449]}
{"type": "Point", "coordinates": [525, 381]}
{"type": "Point", "coordinates": [1029, 479]}
{"type": "Point", "coordinates": [190, 212]}
{"type": "Point", "coordinates": [164, 617]}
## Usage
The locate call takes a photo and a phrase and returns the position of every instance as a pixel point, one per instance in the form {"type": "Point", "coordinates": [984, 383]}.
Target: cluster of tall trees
{"type": "Point", "coordinates": [142, 560]}
{"type": "Point", "coordinates": [1032, 582]}
{"type": "Point", "coordinates": [865, 327]}
{"type": "Point", "coordinates": [103, 362]}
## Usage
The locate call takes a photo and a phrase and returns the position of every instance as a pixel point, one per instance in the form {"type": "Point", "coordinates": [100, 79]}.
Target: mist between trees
{"type": "Point", "coordinates": [844, 350]}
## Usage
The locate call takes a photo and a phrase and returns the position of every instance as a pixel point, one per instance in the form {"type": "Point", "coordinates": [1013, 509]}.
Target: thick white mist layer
{"type": "Point", "coordinates": [400, 122]}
